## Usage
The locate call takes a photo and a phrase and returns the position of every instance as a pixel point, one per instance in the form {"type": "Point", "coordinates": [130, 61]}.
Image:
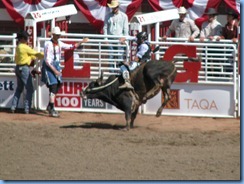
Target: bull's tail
{"type": "Point", "coordinates": [172, 73]}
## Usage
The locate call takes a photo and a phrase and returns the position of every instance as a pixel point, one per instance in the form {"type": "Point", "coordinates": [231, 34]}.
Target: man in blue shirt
{"type": "Point", "coordinates": [115, 23]}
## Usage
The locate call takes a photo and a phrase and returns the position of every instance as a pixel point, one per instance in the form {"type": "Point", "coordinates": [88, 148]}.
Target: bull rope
{"type": "Point", "coordinates": [102, 87]}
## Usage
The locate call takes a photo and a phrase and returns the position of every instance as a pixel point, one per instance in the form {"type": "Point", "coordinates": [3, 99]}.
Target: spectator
{"type": "Point", "coordinates": [211, 29]}
{"type": "Point", "coordinates": [143, 55]}
{"type": "Point", "coordinates": [51, 70]}
{"type": "Point", "coordinates": [23, 58]}
{"type": "Point", "coordinates": [183, 27]}
{"type": "Point", "coordinates": [115, 23]}
{"type": "Point", "coordinates": [230, 30]}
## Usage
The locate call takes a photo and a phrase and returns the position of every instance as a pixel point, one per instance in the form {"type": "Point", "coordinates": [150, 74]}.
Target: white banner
{"type": "Point", "coordinates": [8, 86]}
{"type": "Point", "coordinates": [51, 13]}
{"type": "Point", "coordinates": [68, 98]}
{"type": "Point", "coordinates": [211, 100]}
{"type": "Point", "coordinates": [160, 16]}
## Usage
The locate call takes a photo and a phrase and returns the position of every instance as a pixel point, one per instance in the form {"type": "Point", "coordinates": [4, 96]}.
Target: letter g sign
{"type": "Point", "coordinates": [192, 68]}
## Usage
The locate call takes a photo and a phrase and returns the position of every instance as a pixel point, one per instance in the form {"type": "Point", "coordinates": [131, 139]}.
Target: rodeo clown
{"type": "Point", "coordinates": [51, 70]}
{"type": "Point", "coordinates": [143, 54]}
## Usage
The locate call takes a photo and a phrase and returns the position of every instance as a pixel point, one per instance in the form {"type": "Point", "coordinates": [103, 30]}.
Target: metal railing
{"type": "Point", "coordinates": [218, 58]}
{"type": "Point", "coordinates": [7, 53]}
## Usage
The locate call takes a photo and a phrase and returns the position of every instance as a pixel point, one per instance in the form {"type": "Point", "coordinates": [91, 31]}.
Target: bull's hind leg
{"type": "Point", "coordinates": [166, 93]}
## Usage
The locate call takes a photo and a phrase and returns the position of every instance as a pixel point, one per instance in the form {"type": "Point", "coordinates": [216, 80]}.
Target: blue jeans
{"type": "Point", "coordinates": [24, 79]}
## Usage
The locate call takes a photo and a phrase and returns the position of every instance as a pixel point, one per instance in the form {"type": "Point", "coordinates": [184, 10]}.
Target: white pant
{"type": "Point", "coordinates": [133, 65]}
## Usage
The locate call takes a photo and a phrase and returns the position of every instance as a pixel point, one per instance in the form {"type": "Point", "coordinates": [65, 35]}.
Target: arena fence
{"type": "Point", "coordinates": [207, 88]}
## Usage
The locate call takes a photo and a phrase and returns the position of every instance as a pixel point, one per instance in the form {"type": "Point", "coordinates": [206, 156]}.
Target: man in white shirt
{"type": "Point", "coordinates": [211, 29]}
{"type": "Point", "coordinates": [183, 27]}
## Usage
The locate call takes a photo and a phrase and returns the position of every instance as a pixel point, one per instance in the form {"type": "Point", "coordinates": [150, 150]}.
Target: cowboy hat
{"type": "Point", "coordinates": [234, 14]}
{"type": "Point", "coordinates": [22, 34]}
{"type": "Point", "coordinates": [182, 10]}
{"type": "Point", "coordinates": [211, 11]}
{"type": "Point", "coordinates": [56, 31]}
{"type": "Point", "coordinates": [113, 4]}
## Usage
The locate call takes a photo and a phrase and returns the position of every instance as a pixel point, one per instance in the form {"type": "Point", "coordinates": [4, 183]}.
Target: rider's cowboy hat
{"type": "Point", "coordinates": [22, 34]}
{"type": "Point", "coordinates": [211, 11]}
{"type": "Point", "coordinates": [56, 30]}
{"type": "Point", "coordinates": [182, 10]}
{"type": "Point", "coordinates": [113, 4]}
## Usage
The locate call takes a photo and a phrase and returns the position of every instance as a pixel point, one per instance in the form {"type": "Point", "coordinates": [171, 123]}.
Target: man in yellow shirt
{"type": "Point", "coordinates": [23, 58]}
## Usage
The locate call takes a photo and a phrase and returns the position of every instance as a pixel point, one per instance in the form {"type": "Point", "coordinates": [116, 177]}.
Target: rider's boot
{"type": "Point", "coordinates": [127, 84]}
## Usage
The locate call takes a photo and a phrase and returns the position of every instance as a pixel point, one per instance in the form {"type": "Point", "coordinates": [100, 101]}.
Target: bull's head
{"type": "Point", "coordinates": [91, 86]}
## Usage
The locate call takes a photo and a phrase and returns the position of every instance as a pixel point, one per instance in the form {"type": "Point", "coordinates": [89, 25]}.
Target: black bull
{"type": "Point", "coordinates": [147, 80]}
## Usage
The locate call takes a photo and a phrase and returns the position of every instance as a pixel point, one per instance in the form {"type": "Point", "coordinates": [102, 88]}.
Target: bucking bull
{"type": "Point", "coordinates": [147, 80]}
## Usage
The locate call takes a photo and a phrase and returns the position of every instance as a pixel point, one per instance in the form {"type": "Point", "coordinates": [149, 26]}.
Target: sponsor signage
{"type": "Point", "coordinates": [93, 103]}
{"type": "Point", "coordinates": [68, 98]}
{"type": "Point", "coordinates": [68, 95]}
{"type": "Point", "coordinates": [7, 89]}
{"type": "Point", "coordinates": [6, 85]}
{"type": "Point", "coordinates": [51, 13]}
{"type": "Point", "coordinates": [174, 102]}
{"type": "Point", "coordinates": [159, 16]}
{"type": "Point", "coordinates": [195, 99]}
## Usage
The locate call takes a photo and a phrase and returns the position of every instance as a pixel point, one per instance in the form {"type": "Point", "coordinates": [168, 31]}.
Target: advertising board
{"type": "Point", "coordinates": [8, 85]}
{"type": "Point", "coordinates": [195, 100]}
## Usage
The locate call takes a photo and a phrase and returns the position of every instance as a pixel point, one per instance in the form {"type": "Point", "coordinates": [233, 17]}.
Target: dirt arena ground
{"type": "Point", "coordinates": [91, 146]}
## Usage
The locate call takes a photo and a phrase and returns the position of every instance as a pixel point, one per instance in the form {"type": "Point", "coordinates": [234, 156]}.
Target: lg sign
{"type": "Point", "coordinates": [190, 74]}
{"type": "Point", "coordinates": [192, 68]}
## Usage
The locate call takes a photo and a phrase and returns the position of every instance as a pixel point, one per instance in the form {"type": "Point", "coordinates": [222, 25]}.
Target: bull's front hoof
{"type": "Point", "coordinates": [125, 129]}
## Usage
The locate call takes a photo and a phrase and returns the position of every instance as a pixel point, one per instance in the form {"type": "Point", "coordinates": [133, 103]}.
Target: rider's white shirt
{"type": "Point", "coordinates": [142, 49]}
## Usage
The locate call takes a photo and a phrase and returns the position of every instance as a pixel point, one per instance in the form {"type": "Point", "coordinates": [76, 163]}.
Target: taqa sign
{"type": "Point", "coordinates": [190, 74]}
{"type": "Point", "coordinates": [202, 104]}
